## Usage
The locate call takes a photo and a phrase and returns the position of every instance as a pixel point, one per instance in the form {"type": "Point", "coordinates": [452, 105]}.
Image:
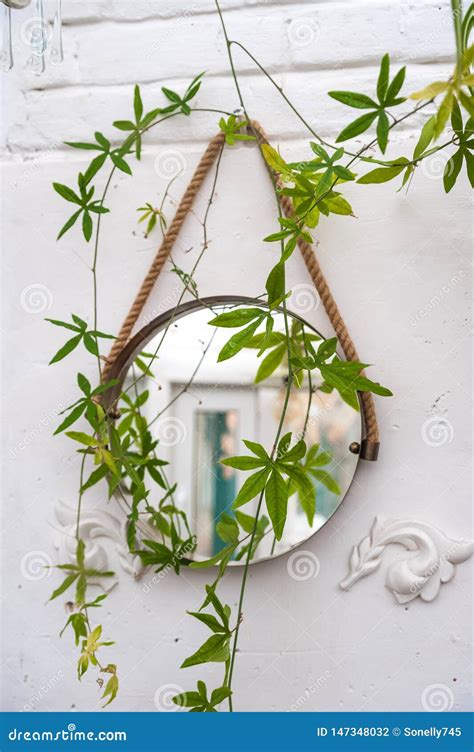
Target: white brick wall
{"type": "Point", "coordinates": [384, 267]}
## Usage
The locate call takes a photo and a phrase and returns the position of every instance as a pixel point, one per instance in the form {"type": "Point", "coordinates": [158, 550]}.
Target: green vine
{"type": "Point", "coordinates": [118, 447]}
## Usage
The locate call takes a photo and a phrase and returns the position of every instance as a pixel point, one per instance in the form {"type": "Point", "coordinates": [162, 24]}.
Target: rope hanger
{"type": "Point", "coordinates": [370, 444]}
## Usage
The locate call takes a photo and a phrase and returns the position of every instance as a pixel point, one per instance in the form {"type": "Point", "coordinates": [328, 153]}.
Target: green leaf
{"type": "Point", "coordinates": [243, 463]}
{"type": "Point", "coordinates": [90, 343]}
{"type": "Point", "coordinates": [270, 363]}
{"type": "Point", "coordinates": [353, 99]}
{"type": "Point", "coordinates": [273, 158]}
{"type": "Point", "coordinates": [67, 348]}
{"type": "Point", "coordinates": [71, 221]}
{"type": "Point", "coordinates": [67, 193]}
{"type": "Point", "coordinates": [306, 491]}
{"type": "Point", "coordinates": [395, 87]}
{"type": "Point", "coordinates": [111, 690]}
{"type": "Point", "coordinates": [275, 284]}
{"type": "Point", "coordinates": [82, 145]}
{"type": "Point", "coordinates": [469, 157]}
{"type": "Point", "coordinates": [326, 479]}
{"type": "Point", "coordinates": [426, 137]}
{"type": "Point", "coordinates": [70, 579]}
{"type": "Point", "coordinates": [276, 499]}
{"type": "Point", "coordinates": [71, 418]}
{"type": "Point", "coordinates": [251, 488]}
{"type": "Point", "coordinates": [214, 650]}
{"type": "Point", "coordinates": [220, 694]}
{"type": "Point", "coordinates": [257, 449]}
{"type": "Point", "coordinates": [210, 621]}
{"type": "Point", "coordinates": [452, 170]}
{"type": "Point", "coordinates": [87, 225]}
{"type": "Point", "coordinates": [382, 131]}
{"type": "Point", "coordinates": [382, 82]}
{"type": "Point", "coordinates": [94, 167]}
{"type": "Point", "coordinates": [237, 318]}
{"type": "Point", "coordinates": [381, 174]}
{"type": "Point", "coordinates": [64, 324]}
{"type": "Point", "coordinates": [124, 125]}
{"type": "Point", "coordinates": [444, 113]}
{"type": "Point", "coordinates": [188, 700]}
{"type": "Point", "coordinates": [95, 477]}
{"type": "Point", "coordinates": [121, 164]}
{"type": "Point", "coordinates": [137, 104]}
{"type": "Point", "coordinates": [357, 127]}
{"type": "Point", "coordinates": [82, 438]}
{"type": "Point", "coordinates": [239, 340]}
{"type": "Point", "coordinates": [227, 529]}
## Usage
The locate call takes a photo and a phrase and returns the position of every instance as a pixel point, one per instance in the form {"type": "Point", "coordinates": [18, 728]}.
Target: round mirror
{"type": "Point", "coordinates": [201, 410]}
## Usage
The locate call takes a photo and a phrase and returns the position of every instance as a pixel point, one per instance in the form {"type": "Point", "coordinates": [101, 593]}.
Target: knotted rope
{"type": "Point", "coordinates": [370, 444]}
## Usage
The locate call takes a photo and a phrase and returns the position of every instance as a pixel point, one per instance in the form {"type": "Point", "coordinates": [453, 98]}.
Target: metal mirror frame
{"type": "Point", "coordinates": [121, 365]}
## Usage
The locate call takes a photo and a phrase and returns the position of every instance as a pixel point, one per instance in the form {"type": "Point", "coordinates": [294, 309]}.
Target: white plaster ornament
{"type": "Point", "coordinates": [421, 574]}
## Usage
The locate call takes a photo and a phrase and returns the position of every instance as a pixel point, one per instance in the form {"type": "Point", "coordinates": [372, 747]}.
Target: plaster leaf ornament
{"type": "Point", "coordinates": [422, 574]}
{"type": "Point", "coordinates": [95, 525]}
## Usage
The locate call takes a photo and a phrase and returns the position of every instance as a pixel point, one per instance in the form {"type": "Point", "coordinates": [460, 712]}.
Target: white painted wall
{"type": "Point", "coordinates": [400, 273]}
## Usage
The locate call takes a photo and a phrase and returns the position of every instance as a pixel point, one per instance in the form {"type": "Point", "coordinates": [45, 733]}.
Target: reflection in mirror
{"type": "Point", "coordinates": [201, 411]}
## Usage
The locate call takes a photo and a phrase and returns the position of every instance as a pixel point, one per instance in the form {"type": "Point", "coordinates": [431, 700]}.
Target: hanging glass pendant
{"type": "Point", "coordinates": [56, 54]}
{"type": "Point", "coordinates": [6, 51]}
{"type": "Point", "coordinates": [35, 33]}
{"type": "Point", "coordinates": [37, 39]}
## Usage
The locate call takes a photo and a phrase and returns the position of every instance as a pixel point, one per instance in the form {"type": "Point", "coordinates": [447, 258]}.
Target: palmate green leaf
{"type": "Point", "coordinates": [214, 650]}
{"type": "Point", "coordinates": [452, 170]}
{"type": "Point", "coordinates": [357, 127]}
{"type": "Point", "coordinates": [276, 499]}
{"type": "Point", "coordinates": [237, 318]}
{"type": "Point", "coordinates": [270, 363]}
{"type": "Point", "coordinates": [82, 438]}
{"type": "Point", "coordinates": [239, 340]}
{"type": "Point", "coordinates": [469, 157]}
{"type": "Point", "coordinates": [251, 488]}
{"type": "Point", "coordinates": [353, 99]}
{"type": "Point", "coordinates": [94, 167]}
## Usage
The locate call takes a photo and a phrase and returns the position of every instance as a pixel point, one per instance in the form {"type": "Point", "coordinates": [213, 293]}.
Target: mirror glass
{"type": "Point", "coordinates": [201, 410]}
